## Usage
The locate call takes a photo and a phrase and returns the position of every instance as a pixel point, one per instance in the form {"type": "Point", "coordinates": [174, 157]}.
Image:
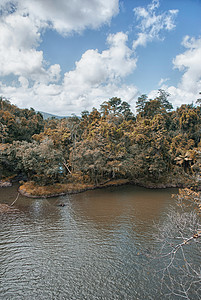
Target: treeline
{"type": "Point", "coordinates": [158, 145]}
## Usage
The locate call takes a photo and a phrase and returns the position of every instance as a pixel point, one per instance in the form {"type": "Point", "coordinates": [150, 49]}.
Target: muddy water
{"type": "Point", "coordinates": [92, 248]}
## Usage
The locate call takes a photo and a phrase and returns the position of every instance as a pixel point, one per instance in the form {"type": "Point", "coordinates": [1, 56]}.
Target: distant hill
{"type": "Point", "coordinates": [49, 116]}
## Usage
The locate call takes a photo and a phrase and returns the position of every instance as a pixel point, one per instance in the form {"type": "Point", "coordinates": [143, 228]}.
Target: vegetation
{"type": "Point", "coordinates": [173, 264]}
{"type": "Point", "coordinates": [157, 147]}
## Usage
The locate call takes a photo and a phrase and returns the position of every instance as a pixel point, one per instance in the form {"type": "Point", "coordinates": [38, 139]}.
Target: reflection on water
{"type": "Point", "coordinates": [85, 250]}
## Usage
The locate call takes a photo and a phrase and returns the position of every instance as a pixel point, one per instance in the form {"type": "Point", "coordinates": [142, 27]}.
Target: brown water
{"type": "Point", "coordinates": [93, 248]}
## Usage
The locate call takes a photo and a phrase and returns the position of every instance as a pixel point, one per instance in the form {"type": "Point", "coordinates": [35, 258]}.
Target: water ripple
{"type": "Point", "coordinates": [85, 250]}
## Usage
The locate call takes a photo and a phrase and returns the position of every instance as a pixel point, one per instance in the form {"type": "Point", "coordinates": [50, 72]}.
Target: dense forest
{"type": "Point", "coordinates": [158, 145]}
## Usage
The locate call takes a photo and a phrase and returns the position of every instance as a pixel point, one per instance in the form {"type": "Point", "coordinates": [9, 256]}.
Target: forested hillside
{"type": "Point", "coordinates": [157, 146]}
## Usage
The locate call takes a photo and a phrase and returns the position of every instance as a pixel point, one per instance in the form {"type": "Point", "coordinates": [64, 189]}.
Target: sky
{"type": "Point", "coordinates": [67, 56]}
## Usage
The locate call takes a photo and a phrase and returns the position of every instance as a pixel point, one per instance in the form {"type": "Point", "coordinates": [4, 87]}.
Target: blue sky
{"type": "Point", "coordinates": [66, 56]}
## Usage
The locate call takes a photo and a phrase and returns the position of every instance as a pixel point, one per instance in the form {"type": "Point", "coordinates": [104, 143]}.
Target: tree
{"type": "Point", "coordinates": [150, 108]}
{"type": "Point", "coordinates": [89, 157]}
{"type": "Point", "coordinates": [178, 271]}
{"type": "Point", "coordinates": [115, 104]}
{"type": "Point", "coordinates": [109, 143]}
{"type": "Point", "coordinates": [116, 108]}
{"type": "Point", "coordinates": [20, 124]}
{"type": "Point", "coordinates": [3, 133]}
{"type": "Point", "coordinates": [148, 155]}
{"type": "Point", "coordinates": [199, 99]}
{"type": "Point", "coordinates": [39, 162]}
{"type": "Point", "coordinates": [163, 98]}
{"type": "Point", "coordinates": [5, 168]}
{"type": "Point", "coordinates": [140, 104]}
{"type": "Point", "coordinates": [126, 111]}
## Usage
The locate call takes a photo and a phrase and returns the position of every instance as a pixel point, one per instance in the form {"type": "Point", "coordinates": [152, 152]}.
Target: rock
{"type": "Point", "coordinates": [5, 183]}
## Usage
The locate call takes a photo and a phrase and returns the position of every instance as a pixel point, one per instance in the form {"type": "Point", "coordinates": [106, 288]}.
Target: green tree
{"type": "Point", "coordinates": [39, 162]}
{"type": "Point", "coordinates": [150, 108]}
{"type": "Point", "coordinates": [140, 104]}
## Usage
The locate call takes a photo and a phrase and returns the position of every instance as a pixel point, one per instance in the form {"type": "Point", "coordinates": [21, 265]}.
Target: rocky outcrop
{"type": "Point", "coordinates": [5, 183]}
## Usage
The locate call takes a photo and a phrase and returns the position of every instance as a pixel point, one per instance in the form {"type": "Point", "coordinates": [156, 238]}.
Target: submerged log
{"type": "Point", "coordinates": [61, 204]}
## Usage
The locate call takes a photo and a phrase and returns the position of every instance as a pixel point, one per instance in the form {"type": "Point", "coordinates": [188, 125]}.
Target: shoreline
{"type": "Point", "coordinates": [30, 189]}
{"type": "Point", "coordinates": [76, 190]}
{"type": "Point", "coordinates": [72, 190]}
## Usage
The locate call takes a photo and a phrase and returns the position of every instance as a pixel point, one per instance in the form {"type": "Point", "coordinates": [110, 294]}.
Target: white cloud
{"type": "Point", "coordinates": [66, 16]}
{"type": "Point", "coordinates": [19, 38]}
{"type": "Point", "coordinates": [151, 24]}
{"type": "Point", "coordinates": [155, 4]}
{"type": "Point", "coordinates": [21, 25]}
{"type": "Point", "coordinates": [179, 96]}
{"type": "Point", "coordinates": [22, 21]}
{"type": "Point", "coordinates": [162, 81]}
{"type": "Point", "coordinates": [97, 76]}
{"type": "Point", "coordinates": [54, 73]}
{"type": "Point", "coordinates": [96, 72]}
{"type": "Point", "coordinates": [55, 99]}
{"type": "Point", "coordinates": [95, 68]}
{"type": "Point", "coordinates": [24, 82]}
{"type": "Point", "coordinates": [188, 62]}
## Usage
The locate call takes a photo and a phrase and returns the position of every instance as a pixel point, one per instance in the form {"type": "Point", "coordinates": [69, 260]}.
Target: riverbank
{"type": "Point", "coordinates": [31, 190]}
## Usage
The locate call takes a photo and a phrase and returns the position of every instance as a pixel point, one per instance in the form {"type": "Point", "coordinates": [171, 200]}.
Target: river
{"type": "Point", "coordinates": [92, 248]}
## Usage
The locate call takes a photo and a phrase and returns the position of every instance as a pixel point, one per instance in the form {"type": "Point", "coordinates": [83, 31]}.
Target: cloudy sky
{"type": "Point", "coordinates": [67, 56]}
